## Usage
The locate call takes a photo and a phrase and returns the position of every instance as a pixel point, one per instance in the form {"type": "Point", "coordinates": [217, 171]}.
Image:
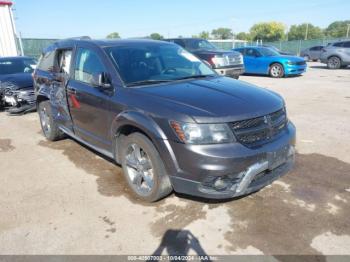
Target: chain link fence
{"type": "Point", "coordinates": [293, 47]}
{"type": "Point", "coordinates": [33, 47]}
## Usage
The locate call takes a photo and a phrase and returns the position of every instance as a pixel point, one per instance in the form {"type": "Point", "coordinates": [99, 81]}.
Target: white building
{"type": "Point", "coordinates": [8, 46]}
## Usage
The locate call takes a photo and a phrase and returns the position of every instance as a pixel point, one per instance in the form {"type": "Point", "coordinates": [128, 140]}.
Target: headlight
{"type": "Point", "coordinates": [291, 63]}
{"type": "Point", "coordinates": [202, 133]}
{"type": "Point", "coordinates": [220, 61]}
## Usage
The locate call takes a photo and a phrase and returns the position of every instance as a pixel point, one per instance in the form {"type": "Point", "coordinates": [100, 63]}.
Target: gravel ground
{"type": "Point", "coordinates": [62, 198]}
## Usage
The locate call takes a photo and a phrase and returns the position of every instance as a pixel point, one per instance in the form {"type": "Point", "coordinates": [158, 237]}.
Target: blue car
{"type": "Point", "coordinates": [265, 61]}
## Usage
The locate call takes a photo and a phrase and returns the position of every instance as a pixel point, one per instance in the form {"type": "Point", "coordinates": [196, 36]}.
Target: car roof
{"type": "Point", "coordinates": [103, 42]}
{"type": "Point", "coordinates": [256, 47]}
{"type": "Point", "coordinates": [15, 58]}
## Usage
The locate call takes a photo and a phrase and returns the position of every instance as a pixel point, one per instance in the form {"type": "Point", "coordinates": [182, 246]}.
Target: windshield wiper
{"type": "Point", "coordinates": [194, 77]}
{"type": "Point", "coordinates": [147, 82]}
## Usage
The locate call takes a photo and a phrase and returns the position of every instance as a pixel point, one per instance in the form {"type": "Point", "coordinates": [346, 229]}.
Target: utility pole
{"type": "Point", "coordinates": [347, 31]}
{"type": "Point", "coordinates": [307, 30]}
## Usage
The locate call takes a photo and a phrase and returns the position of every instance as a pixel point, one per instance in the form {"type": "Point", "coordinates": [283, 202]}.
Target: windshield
{"type": "Point", "coordinates": [199, 44]}
{"type": "Point", "coordinates": [268, 52]}
{"type": "Point", "coordinates": [153, 63]}
{"type": "Point", "coordinates": [15, 66]}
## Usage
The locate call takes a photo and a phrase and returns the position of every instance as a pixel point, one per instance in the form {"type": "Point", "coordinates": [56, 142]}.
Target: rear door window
{"type": "Point", "coordinates": [339, 44]}
{"type": "Point", "coordinates": [347, 44]}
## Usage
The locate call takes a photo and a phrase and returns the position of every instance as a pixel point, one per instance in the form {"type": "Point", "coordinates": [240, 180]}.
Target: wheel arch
{"type": "Point", "coordinates": [132, 121]}
{"type": "Point", "coordinates": [275, 62]}
{"type": "Point", "coordinates": [337, 56]}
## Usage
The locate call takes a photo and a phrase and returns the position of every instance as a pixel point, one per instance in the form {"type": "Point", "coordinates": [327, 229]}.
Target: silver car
{"type": "Point", "coordinates": [312, 53]}
{"type": "Point", "coordinates": [336, 55]}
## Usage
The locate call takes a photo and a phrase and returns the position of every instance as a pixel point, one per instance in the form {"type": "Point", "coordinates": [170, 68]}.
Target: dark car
{"type": "Point", "coordinates": [170, 120]}
{"type": "Point", "coordinates": [312, 53]}
{"type": "Point", "coordinates": [16, 84]}
{"type": "Point", "coordinates": [229, 63]}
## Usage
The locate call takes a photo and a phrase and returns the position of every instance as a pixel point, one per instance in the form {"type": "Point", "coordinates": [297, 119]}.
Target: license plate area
{"type": "Point", "coordinates": [277, 158]}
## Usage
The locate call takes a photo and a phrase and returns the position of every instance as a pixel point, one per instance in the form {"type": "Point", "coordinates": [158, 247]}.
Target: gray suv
{"type": "Point", "coordinates": [336, 55]}
{"type": "Point", "coordinates": [170, 120]}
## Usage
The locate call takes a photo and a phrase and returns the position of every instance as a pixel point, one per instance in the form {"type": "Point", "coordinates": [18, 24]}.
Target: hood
{"type": "Point", "coordinates": [218, 99]}
{"type": "Point", "coordinates": [19, 81]}
{"type": "Point", "coordinates": [215, 52]}
{"type": "Point", "coordinates": [291, 58]}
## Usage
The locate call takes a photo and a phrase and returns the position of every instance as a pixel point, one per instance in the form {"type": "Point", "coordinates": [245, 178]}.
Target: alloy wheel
{"type": "Point", "coordinates": [276, 70]}
{"type": "Point", "coordinates": [139, 170]}
{"type": "Point", "coordinates": [45, 120]}
{"type": "Point", "coordinates": [334, 63]}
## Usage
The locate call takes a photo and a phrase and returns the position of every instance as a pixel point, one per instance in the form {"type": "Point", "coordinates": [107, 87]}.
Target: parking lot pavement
{"type": "Point", "coordinates": [62, 198]}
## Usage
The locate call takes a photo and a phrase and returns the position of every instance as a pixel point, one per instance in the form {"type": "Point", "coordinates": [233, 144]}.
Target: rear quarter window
{"type": "Point", "coordinates": [46, 62]}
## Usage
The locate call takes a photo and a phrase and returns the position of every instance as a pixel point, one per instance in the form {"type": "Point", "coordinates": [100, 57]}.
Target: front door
{"type": "Point", "coordinates": [89, 104]}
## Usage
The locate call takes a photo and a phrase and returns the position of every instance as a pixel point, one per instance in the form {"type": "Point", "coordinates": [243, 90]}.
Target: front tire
{"type": "Point", "coordinates": [276, 70]}
{"type": "Point", "coordinates": [48, 125]}
{"type": "Point", "coordinates": [334, 62]}
{"type": "Point", "coordinates": [143, 168]}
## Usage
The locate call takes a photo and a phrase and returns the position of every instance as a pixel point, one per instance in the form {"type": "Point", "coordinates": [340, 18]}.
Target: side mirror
{"type": "Point", "coordinates": [101, 80]}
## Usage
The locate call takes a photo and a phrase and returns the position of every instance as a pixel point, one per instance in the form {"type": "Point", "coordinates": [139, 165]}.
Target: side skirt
{"type": "Point", "coordinates": [101, 151]}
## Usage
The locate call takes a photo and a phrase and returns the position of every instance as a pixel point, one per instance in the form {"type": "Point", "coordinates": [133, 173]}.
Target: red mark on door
{"type": "Point", "coordinates": [74, 100]}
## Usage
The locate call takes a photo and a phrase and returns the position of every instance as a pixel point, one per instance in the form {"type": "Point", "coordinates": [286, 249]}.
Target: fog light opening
{"type": "Point", "coordinates": [220, 184]}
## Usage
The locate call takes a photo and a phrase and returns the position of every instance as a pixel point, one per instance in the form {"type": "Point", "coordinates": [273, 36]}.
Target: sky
{"type": "Point", "coordinates": [137, 18]}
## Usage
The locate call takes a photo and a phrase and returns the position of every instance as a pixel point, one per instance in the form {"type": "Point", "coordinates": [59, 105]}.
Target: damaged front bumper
{"type": "Point", "coordinates": [18, 101]}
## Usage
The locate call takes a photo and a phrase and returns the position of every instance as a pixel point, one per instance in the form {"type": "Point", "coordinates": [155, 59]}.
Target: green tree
{"type": "Point", "coordinates": [298, 32]}
{"type": "Point", "coordinates": [222, 33]}
{"type": "Point", "coordinates": [204, 35]}
{"type": "Point", "coordinates": [337, 29]}
{"type": "Point", "coordinates": [243, 36]}
{"type": "Point", "coordinates": [113, 35]}
{"type": "Point", "coordinates": [156, 36]}
{"type": "Point", "coordinates": [269, 31]}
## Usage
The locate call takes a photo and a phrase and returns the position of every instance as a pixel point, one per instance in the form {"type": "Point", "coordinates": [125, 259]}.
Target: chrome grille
{"type": "Point", "coordinates": [234, 59]}
{"type": "Point", "coordinates": [257, 131]}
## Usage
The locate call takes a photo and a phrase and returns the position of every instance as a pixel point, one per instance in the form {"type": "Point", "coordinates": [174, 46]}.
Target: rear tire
{"type": "Point", "coordinates": [334, 62]}
{"type": "Point", "coordinates": [48, 125]}
{"type": "Point", "coordinates": [276, 70]}
{"type": "Point", "coordinates": [143, 168]}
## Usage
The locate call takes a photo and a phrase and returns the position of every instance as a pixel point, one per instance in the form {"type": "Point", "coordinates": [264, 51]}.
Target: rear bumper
{"type": "Point", "coordinates": [231, 71]}
{"type": "Point", "coordinates": [244, 170]}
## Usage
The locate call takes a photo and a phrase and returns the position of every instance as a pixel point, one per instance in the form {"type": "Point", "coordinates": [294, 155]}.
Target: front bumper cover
{"type": "Point", "coordinates": [244, 169]}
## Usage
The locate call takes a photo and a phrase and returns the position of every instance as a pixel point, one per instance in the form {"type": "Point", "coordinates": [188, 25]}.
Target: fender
{"type": "Point", "coordinates": [138, 120]}
{"type": "Point", "coordinates": [151, 129]}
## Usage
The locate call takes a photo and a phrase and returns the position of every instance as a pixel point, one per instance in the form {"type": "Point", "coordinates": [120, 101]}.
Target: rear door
{"type": "Point", "coordinates": [90, 105]}
{"type": "Point", "coordinates": [50, 79]}
{"type": "Point", "coordinates": [61, 78]}
{"type": "Point", "coordinates": [346, 46]}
